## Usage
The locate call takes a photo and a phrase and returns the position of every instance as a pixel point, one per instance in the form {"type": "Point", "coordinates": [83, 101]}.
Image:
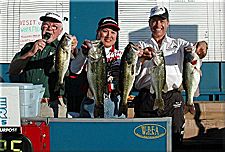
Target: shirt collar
{"type": "Point", "coordinates": [110, 49]}
{"type": "Point", "coordinates": [54, 43]}
{"type": "Point", "coordinates": [165, 39]}
{"type": "Point", "coordinates": [107, 50]}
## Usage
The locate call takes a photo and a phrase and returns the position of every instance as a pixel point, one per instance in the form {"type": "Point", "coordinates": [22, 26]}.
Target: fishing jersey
{"type": "Point", "coordinates": [173, 50]}
{"type": "Point", "coordinates": [113, 58]}
{"type": "Point", "coordinates": [37, 68]}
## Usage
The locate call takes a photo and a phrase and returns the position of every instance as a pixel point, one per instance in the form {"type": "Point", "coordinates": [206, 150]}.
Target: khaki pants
{"type": "Point", "coordinates": [46, 111]}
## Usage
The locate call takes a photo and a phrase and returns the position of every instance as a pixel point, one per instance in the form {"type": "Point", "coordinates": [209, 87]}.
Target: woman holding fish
{"type": "Point", "coordinates": [161, 64]}
{"type": "Point", "coordinates": [103, 72]}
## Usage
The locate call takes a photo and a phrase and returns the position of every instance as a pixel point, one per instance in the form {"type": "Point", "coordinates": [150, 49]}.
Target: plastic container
{"type": "Point", "coordinates": [29, 97]}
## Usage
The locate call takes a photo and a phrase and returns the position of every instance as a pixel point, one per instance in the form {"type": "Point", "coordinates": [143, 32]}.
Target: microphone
{"type": "Point", "coordinates": [47, 36]}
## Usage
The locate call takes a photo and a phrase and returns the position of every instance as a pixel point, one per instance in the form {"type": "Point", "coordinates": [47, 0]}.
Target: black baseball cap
{"type": "Point", "coordinates": [108, 22]}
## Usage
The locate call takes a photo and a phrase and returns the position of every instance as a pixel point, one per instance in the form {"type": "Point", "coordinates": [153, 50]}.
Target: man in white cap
{"type": "Point", "coordinates": [173, 50]}
{"type": "Point", "coordinates": [33, 62]}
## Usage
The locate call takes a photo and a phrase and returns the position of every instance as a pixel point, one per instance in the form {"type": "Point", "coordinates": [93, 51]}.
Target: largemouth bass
{"type": "Point", "coordinates": [127, 74]}
{"type": "Point", "coordinates": [191, 78]}
{"type": "Point", "coordinates": [158, 79]}
{"type": "Point", "coordinates": [96, 75]}
{"type": "Point", "coordinates": [62, 59]}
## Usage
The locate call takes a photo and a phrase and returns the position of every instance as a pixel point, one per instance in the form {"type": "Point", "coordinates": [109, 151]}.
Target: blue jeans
{"type": "Point", "coordinates": [111, 108]}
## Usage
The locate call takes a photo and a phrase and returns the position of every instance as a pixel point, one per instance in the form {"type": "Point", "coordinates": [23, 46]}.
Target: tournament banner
{"type": "Point", "coordinates": [9, 109]}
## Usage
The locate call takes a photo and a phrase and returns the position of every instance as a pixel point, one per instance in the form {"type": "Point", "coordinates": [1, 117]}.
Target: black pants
{"type": "Point", "coordinates": [76, 87]}
{"type": "Point", "coordinates": [173, 102]}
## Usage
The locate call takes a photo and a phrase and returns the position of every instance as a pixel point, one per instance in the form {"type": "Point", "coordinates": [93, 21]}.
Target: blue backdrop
{"type": "Point", "coordinates": [84, 17]}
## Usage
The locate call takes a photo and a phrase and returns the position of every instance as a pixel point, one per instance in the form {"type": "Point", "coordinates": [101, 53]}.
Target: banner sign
{"type": "Point", "coordinates": [30, 28]}
{"type": "Point", "coordinates": [9, 107]}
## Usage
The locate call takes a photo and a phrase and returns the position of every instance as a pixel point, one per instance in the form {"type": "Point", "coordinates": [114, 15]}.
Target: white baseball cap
{"type": "Point", "coordinates": [51, 16]}
{"type": "Point", "coordinates": [159, 11]}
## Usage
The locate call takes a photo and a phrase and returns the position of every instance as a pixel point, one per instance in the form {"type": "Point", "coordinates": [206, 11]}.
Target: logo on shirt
{"type": "Point", "coordinates": [172, 47]}
{"type": "Point", "coordinates": [150, 131]}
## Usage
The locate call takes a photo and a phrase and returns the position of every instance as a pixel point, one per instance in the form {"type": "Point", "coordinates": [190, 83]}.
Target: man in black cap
{"type": "Point", "coordinates": [173, 52]}
{"type": "Point", "coordinates": [33, 62]}
{"type": "Point", "coordinates": [107, 32]}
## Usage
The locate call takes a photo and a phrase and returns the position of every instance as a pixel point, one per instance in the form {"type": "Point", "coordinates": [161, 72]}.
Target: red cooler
{"type": "Point", "coordinates": [38, 132]}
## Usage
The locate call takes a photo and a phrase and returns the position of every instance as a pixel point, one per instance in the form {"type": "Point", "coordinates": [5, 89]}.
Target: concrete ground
{"type": "Point", "coordinates": [205, 131]}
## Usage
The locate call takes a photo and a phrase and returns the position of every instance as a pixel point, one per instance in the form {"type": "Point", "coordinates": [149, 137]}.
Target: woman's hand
{"type": "Point", "coordinates": [86, 46]}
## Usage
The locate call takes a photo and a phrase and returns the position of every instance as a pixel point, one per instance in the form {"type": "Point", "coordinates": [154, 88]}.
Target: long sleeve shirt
{"type": "Point", "coordinates": [113, 58]}
{"type": "Point", "coordinates": [38, 67]}
{"type": "Point", "coordinates": [173, 50]}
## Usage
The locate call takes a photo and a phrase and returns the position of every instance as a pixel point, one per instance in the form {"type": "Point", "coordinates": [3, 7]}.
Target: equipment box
{"type": "Point", "coordinates": [117, 135]}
